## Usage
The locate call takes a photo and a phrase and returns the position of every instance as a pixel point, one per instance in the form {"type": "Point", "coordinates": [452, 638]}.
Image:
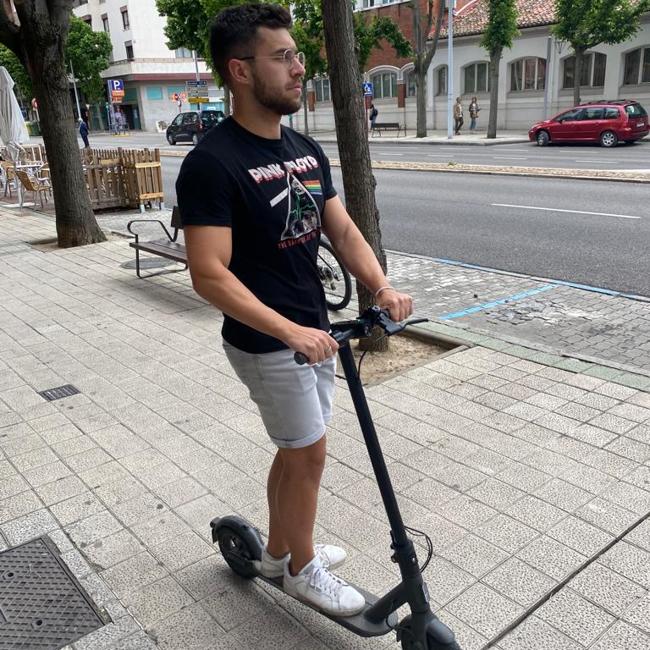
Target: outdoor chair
{"type": "Point", "coordinates": [8, 172]}
{"type": "Point", "coordinates": [35, 185]}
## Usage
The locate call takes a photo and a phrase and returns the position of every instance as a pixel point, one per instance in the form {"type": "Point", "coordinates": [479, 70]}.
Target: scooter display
{"type": "Point", "coordinates": [241, 543]}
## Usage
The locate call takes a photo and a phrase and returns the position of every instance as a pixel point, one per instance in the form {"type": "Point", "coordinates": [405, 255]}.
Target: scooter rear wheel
{"type": "Point", "coordinates": [237, 552]}
{"type": "Point", "coordinates": [434, 632]}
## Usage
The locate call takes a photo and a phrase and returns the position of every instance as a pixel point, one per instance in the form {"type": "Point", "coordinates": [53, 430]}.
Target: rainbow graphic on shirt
{"type": "Point", "coordinates": [313, 187]}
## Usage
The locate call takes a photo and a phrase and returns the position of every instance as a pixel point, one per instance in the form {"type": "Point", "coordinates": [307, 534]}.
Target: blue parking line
{"type": "Point", "coordinates": [496, 303]}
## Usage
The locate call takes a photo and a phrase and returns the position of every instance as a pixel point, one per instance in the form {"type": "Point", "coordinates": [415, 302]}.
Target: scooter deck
{"type": "Point", "coordinates": [359, 624]}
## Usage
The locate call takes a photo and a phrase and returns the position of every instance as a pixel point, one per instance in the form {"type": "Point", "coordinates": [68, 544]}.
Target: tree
{"type": "Point", "coordinates": [500, 32]}
{"type": "Point", "coordinates": [349, 116]}
{"type": "Point", "coordinates": [587, 23]}
{"type": "Point", "coordinates": [89, 53]}
{"type": "Point", "coordinates": [36, 33]}
{"type": "Point", "coordinates": [369, 35]}
{"type": "Point", "coordinates": [425, 48]}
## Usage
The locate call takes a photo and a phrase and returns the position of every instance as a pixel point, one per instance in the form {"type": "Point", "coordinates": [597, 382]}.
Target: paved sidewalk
{"type": "Point", "coordinates": [533, 481]}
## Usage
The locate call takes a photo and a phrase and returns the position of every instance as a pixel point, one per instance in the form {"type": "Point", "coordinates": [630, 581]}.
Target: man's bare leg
{"type": "Point", "coordinates": [297, 482]}
{"type": "Point", "coordinates": [277, 545]}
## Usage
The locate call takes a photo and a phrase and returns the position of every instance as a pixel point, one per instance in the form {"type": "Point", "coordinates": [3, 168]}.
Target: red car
{"type": "Point", "coordinates": [605, 122]}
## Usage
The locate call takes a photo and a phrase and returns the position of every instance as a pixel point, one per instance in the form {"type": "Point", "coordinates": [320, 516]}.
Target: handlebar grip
{"type": "Point", "coordinates": [300, 358]}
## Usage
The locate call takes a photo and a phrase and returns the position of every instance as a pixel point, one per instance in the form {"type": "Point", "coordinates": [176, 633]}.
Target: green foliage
{"type": "Point", "coordinates": [502, 26]}
{"type": "Point", "coordinates": [18, 73]}
{"type": "Point", "coordinates": [368, 36]}
{"type": "Point", "coordinates": [187, 24]}
{"type": "Point", "coordinates": [89, 53]}
{"type": "Point", "coordinates": [587, 23]}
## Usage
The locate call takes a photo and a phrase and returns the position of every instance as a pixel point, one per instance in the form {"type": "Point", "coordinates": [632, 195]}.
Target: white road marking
{"type": "Point", "coordinates": [532, 207]}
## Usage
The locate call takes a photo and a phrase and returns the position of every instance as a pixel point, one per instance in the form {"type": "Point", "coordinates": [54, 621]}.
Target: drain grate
{"type": "Point", "coordinates": [42, 606]}
{"type": "Point", "coordinates": [57, 393]}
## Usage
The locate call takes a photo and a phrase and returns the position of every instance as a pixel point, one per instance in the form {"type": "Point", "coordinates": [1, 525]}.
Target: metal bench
{"type": "Point", "coordinates": [168, 248]}
{"type": "Point", "coordinates": [387, 126]}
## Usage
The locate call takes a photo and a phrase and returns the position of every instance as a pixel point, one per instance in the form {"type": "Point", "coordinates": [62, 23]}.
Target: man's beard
{"type": "Point", "coordinates": [274, 100]}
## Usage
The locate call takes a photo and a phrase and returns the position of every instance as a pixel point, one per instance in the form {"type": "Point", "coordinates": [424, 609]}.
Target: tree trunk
{"type": "Point", "coordinates": [495, 60]}
{"type": "Point", "coordinates": [305, 107]}
{"type": "Point", "coordinates": [354, 152]}
{"type": "Point", "coordinates": [75, 222]}
{"type": "Point", "coordinates": [421, 102]}
{"type": "Point", "coordinates": [580, 57]}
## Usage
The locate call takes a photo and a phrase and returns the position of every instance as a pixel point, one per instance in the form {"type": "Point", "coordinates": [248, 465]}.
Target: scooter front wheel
{"type": "Point", "coordinates": [439, 636]}
{"type": "Point", "coordinates": [240, 544]}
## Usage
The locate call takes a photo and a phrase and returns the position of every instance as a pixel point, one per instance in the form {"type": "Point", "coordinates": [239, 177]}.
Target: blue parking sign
{"type": "Point", "coordinates": [367, 89]}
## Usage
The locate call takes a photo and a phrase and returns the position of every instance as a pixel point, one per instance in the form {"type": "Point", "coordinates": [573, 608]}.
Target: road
{"type": "Point", "coordinates": [635, 156]}
{"type": "Point", "coordinates": [594, 233]}
{"type": "Point", "coordinates": [571, 156]}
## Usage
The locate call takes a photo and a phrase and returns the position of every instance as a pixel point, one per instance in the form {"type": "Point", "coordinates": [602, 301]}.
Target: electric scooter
{"type": "Point", "coordinates": [241, 543]}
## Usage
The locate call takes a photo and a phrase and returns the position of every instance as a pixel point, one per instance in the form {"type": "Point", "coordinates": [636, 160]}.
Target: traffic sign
{"type": "Point", "coordinates": [368, 89]}
{"type": "Point", "coordinates": [115, 90]}
{"type": "Point", "coordinates": [197, 91]}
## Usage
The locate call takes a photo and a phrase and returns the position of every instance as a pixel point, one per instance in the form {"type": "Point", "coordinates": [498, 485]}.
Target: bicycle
{"type": "Point", "coordinates": [334, 276]}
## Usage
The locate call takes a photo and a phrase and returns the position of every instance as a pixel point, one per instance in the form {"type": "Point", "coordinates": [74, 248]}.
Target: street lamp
{"type": "Point", "coordinates": [451, 5]}
{"type": "Point", "coordinates": [74, 85]}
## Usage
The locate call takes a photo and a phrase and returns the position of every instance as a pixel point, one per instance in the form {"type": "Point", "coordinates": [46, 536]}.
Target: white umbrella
{"type": "Point", "coordinates": [13, 130]}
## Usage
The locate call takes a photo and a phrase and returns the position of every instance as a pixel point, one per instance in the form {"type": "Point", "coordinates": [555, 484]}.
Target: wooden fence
{"type": "Point", "coordinates": [117, 178]}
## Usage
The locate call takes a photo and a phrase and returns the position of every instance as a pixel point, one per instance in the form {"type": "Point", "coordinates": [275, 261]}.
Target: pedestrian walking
{"type": "Point", "coordinates": [373, 115]}
{"type": "Point", "coordinates": [474, 110]}
{"type": "Point", "coordinates": [458, 116]}
{"type": "Point", "coordinates": [83, 132]}
{"type": "Point", "coordinates": [254, 197]}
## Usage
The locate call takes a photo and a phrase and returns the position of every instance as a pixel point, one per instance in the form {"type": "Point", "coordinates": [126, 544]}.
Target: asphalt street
{"type": "Point", "coordinates": [589, 232]}
{"type": "Point", "coordinates": [571, 156]}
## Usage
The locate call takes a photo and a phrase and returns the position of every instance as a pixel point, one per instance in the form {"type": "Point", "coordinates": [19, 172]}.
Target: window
{"type": "Point", "coordinates": [411, 86]}
{"type": "Point", "coordinates": [183, 53]}
{"type": "Point", "coordinates": [129, 50]}
{"type": "Point", "coordinates": [125, 18]}
{"type": "Point", "coordinates": [476, 78]}
{"type": "Point", "coordinates": [378, 3]}
{"type": "Point", "coordinates": [88, 20]}
{"type": "Point", "coordinates": [528, 74]}
{"type": "Point", "coordinates": [178, 119]}
{"type": "Point", "coordinates": [384, 85]}
{"type": "Point", "coordinates": [635, 110]}
{"type": "Point", "coordinates": [593, 114]}
{"type": "Point", "coordinates": [594, 65]}
{"type": "Point", "coordinates": [105, 23]}
{"type": "Point", "coordinates": [611, 113]}
{"type": "Point", "coordinates": [154, 93]}
{"type": "Point", "coordinates": [322, 90]}
{"type": "Point", "coordinates": [637, 67]}
{"type": "Point", "coordinates": [442, 80]}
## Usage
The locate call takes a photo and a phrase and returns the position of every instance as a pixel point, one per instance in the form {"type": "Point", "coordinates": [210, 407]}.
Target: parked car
{"type": "Point", "coordinates": [191, 126]}
{"type": "Point", "coordinates": [606, 122]}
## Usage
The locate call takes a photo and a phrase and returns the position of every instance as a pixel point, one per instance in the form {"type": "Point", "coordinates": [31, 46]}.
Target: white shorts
{"type": "Point", "coordinates": [295, 402]}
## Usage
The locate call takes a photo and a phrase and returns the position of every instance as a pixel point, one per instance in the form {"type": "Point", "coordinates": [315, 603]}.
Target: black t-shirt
{"type": "Point", "coordinates": [272, 194]}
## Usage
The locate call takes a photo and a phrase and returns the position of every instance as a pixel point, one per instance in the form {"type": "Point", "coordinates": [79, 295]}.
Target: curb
{"type": "Point", "coordinates": [530, 172]}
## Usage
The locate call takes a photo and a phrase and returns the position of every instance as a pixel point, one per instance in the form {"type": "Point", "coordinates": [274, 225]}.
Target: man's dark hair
{"type": "Point", "coordinates": [234, 30]}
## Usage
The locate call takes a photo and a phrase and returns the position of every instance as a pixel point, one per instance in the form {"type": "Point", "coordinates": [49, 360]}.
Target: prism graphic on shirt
{"type": "Point", "coordinates": [303, 219]}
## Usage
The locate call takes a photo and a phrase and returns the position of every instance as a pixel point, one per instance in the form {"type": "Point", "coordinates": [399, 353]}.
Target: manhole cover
{"type": "Point", "coordinates": [42, 606]}
{"type": "Point", "coordinates": [148, 263]}
{"type": "Point", "coordinates": [60, 391]}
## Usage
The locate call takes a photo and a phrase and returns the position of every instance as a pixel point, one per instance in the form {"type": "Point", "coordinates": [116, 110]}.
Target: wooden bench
{"type": "Point", "coordinates": [387, 126]}
{"type": "Point", "coordinates": [168, 248]}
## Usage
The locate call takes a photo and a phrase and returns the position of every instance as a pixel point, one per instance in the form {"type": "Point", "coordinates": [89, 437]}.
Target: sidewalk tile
{"type": "Point", "coordinates": [474, 555]}
{"type": "Point", "coordinates": [132, 574]}
{"type": "Point", "coordinates": [639, 613]}
{"type": "Point", "coordinates": [551, 557]}
{"type": "Point", "coordinates": [576, 617]}
{"type": "Point", "coordinates": [622, 637]}
{"type": "Point", "coordinates": [534, 634]}
{"type": "Point", "coordinates": [607, 589]}
{"type": "Point", "coordinates": [580, 536]}
{"type": "Point", "coordinates": [485, 610]}
{"type": "Point", "coordinates": [519, 582]}
{"type": "Point", "coordinates": [507, 533]}
{"type": "Point", "coordinates": [157, 601]}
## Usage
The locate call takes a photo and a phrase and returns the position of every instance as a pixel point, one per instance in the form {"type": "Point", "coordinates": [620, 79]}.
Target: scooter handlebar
{"type": "Point", "coordinates": [360, 327]}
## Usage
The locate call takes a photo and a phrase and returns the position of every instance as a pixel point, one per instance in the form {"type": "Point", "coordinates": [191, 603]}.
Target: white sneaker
{"type": "Point", "coordinates": [319, 587]}
{"type": "Point", "coordinates": [273, 567]}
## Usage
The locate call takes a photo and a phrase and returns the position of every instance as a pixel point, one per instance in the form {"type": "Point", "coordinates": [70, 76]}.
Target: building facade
{"type": "Point", "coordinates": [535, 79]}
{"type": "Point", "coordinates": [152, 74]}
